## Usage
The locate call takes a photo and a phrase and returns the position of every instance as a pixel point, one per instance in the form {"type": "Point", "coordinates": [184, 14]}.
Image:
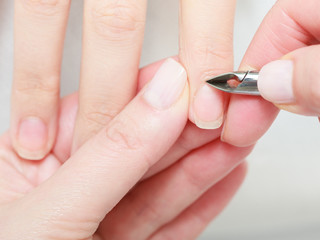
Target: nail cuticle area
{"type": "Point", "coordinates": [32, 137]}
{"type": "Point", "coordinates": [208, 108]}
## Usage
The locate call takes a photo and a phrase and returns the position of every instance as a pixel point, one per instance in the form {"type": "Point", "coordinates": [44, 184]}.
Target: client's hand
{"type": "Point", "coordinates": [79, 199]}
{"type": "Point", "coordinates": [112, 39]}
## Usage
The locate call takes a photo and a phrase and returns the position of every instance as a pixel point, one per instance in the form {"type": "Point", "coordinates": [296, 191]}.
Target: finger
{"type": "Point", "coordinates": [191, 138]}
{"type": "Point", "coordinates": [69, 108]}
{"type": "Point", "coordinates": [248, 118]}
{"type": "Point", "coordinates": [112, 42]}
{"type": "Point", "coordinates": [36, 172]}
{"type": "Point", "coordinates": [67, 119]}
{"type": "Point", "coordinates": [95, 178]}
{"type": "Point", "coordinates": [146, 208]}
{"type": "Point", "coordinates": [190, 223]}
{"type": "Point", "coordinates": [186, 142]}
{"type": "Point", "coordinates": [146, 73]}
{"type": "Point", "coordinates": [293, 84]}
{"type": "Point", "coordinates": [206, 49]}
{"type": "Point", "coordinates": [39, 35]}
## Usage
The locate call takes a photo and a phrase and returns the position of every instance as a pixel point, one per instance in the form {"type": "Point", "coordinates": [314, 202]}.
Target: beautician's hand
{"type": "Point", "coordinates": [293, 82]}
{"type": "Point", "coordinates": [47, 200]}
{"type": "Point", "coordinates": [290, 31]}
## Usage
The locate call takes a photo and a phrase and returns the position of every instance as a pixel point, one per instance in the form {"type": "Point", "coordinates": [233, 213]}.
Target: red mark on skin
{"type": "Point", "coordinates": [233, 83]}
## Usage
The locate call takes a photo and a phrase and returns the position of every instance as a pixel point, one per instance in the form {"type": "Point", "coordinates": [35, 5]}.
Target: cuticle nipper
{"type": "Point", "coordinates": [239, 82]}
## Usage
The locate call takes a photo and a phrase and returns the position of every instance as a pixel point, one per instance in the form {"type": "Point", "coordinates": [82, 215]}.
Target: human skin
{"type": "Point", "coordinates": [112, 39]}
{"type": "Point", "coordinates": [292, 82]}
{"type": "Point", "coordinates": [288, 32]}
{"type": "Point", "coordinates": [113, 33]}
{"type": "Point", "coordinates": [254, 115]}
{"type": "Point", "coordinates": [86, 196]}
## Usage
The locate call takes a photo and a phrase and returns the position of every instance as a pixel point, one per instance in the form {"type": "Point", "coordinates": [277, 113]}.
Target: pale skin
{"type": "Point", "coordinates": [87, 196]}
{"type": "Point", "coordinates": [92, 184]}
{"type": "Point", "coordinates": [113, 33]}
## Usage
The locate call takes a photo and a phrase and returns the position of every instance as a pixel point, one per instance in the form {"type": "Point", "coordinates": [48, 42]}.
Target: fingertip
{"type": "Point", "coordinates": [147, 72]}
{"type": "Point", "coordinates": [207, 108]}
{"type": "Point", "coordinates": [275, 81]}
{"type": "Point", "coordinates": [209, 125]}
{"type": "Point", "coordinates": [32, 139]}
{"type": "Point", "coordinates": [67, 119]}
{"type": "Point", "coordinates": [167, 85]}
{"type": "Point", "coordinates": [248, 118]}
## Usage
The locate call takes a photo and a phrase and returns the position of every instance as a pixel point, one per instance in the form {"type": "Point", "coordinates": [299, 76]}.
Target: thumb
{"type": "Point", "coordinates": [76, 199]}
{"type": "Point", "coordinates": [293, 84]}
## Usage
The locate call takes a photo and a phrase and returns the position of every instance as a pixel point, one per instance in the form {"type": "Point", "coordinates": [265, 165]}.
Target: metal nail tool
{"type": "Point", "coordinates": [237, 82]}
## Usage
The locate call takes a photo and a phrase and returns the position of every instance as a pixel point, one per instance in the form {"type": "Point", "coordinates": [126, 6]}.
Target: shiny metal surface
{"type": "Point", "coordinates": [247, 82]}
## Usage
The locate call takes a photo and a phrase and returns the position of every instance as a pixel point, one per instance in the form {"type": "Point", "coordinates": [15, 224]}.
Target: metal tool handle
{"type": "Point", "coordinates": [249, 84]}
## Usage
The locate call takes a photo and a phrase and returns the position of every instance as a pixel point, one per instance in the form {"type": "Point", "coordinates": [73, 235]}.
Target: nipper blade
{"type": "Point", "coordinates": [237, 82]}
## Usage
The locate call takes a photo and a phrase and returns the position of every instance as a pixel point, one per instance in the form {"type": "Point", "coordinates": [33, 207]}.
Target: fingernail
{"type": "Point", "coordinates": [275, 81]}
{"type": "Point", "coordinates": [208, 108]}
{"type": "Point", "coordinates": [167, 85]}
{"type": "Point", "coordinates": [32, 138]}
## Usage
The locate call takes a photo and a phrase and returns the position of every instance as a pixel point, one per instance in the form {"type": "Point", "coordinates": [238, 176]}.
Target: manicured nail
{"type": "Point", "coordinates": [207, 108]}
{"type": "Point", "coordinates": [275, 81]}
{"type": "Point", "coordinates": [167, 85]}
{"type": "Point", "coordinates": [32, 138]}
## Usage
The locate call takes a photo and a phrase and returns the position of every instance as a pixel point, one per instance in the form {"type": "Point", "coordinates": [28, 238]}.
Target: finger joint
{"type": "Point", "coordinates": [34, 84]}
{"type": "Point", "coordinates": [123, 137]}
{"type": "Point", "coordinates": [45, 7]}
{"type": "Point", "coordinates": [117, 20]}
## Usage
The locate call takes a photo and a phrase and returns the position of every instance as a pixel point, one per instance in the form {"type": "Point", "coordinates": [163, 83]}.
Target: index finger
{"type": "Point", "coordinates": [248, 118]}
{"type": "Point", "coordinates": [206, 50]}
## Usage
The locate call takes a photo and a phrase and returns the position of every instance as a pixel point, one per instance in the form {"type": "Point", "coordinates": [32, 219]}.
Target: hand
{"type": "Point", "coordinates": [206, 50]}
{"type": "Point", "coordinates": [291, 83]}
{"type": "Point", "coordinates": [102, 39]}
{"type": "Point", "coordinates": [47, 200]}
{"type": "Point", "coordinates": [112, 40]}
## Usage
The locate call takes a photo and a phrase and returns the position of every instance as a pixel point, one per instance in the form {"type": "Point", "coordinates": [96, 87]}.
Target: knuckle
{"type": "Point", "coordinates": [45, 7]}
{"type": "Point", "coordinates": [185, 142]}
{"type": "Point", "coordinates": [115, 20]}
{"type": "Point", "coordinates": [144, 208]}
{"type": "Point", "coordinates": [218, 48]}
{"type": "Point", "coordinates": [124, 138]}
{"type": "Point", "coordinates": [98, 117]}
{"type": "Point", "coordinates": [97, 111]}
{"type": "Point", "coordinates": [193, 177]}
{"type": "Point", "coordinates": [33, 84]}
{"type": "Point", "coordinates": [208, 51]}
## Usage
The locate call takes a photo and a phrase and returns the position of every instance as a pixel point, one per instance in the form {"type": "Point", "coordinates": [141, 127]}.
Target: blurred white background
{"type": "Point", "coordinates": [280, 198]}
